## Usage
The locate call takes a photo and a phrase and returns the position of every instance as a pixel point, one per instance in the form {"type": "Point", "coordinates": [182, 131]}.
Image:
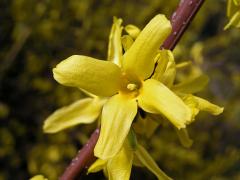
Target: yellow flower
{"type": "Point", "coordinates": [233, 12]}
{"type": "Point", "coordinates": [126, 81]}
{"type": "Point", "coordinates": [119, 86]}
{"type": "Point", "coordinates": [119, 167]}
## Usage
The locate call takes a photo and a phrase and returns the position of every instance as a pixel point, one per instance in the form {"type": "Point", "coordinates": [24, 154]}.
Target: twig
{"type": "Point", "coordinates": [180, 20]}
{"type": "Point", "coordinates": [84, 158]}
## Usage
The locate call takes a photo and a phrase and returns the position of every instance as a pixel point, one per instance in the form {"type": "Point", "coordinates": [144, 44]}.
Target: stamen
{"type": "Point", "coordinates": [132, 87]}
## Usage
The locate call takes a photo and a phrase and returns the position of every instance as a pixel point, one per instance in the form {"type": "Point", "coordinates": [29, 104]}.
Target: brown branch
{"type": "Point", "coordinates": [180, 20]}
{"type": "Point", "coordinates": [84, 158]}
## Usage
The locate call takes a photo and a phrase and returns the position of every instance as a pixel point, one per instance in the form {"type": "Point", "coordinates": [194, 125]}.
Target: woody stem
{"type": "Point", "coordinates": [180, 20]}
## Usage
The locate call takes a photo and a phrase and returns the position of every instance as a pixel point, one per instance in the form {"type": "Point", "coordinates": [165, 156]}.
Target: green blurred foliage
{"type": "Point", "coordinates": [36, 35]}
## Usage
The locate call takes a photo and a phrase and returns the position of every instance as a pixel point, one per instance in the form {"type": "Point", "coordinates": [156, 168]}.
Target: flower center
{"type": "Point", "coordinates": [132, 86]}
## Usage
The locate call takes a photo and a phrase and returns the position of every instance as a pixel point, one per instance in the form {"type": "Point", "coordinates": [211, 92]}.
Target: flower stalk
{"type": "Point", "coordinates": [180, 20]}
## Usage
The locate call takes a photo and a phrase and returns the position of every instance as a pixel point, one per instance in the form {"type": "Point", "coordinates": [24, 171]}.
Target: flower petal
{"type": "Point", "coordinates": [170, 74]}
{"type": "Point", "coordinates": [192, 104]}
{"type": "Point", "coordinates": [83, 111]}
{"type": "Point", "coordinates": [119, 167]}
{"type": "Point", "coordinates": [164, 57]}
{"type": "Point", "coordinates": [132, 30]}
{"type": "Point", "coordinates": [192, 85]}
{"type": "Point", "coordinates": [198, 104]}
{"type": "Point", "coordinates": [234, 21]}
{"type": "Point", "coordinates": [101, 78]}
{"type": "Point", "coordinates": [229, 7]}
{"type": "Point", "coordinates": [204, 105]}
{"type": "Point", "coordinates": [184, 138]}
{"type": "Point", "coordinates": [157, 98]}
{"type": "Point", "coordinates": [98, 165]}
{"type": "Point", "coordinates": [139, 59]}
{"type": "Point", "coordinates": [149, 124]}
{"type": "Point", "coordinates": [115, 45]}
{"type": "Point", "coordinates": [117, 116]}
{"type": "Point", "coordinates": [148, 162]}
{"type": "Point", "coordinates": [232, 7]}
{"type": "Point", "coordinates": [127, 42]}
{"type": "Point", "coordinates": [183, 65]}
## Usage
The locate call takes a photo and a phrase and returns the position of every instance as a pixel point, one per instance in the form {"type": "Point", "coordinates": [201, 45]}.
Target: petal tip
{"type": "Point", "coordinates": [218, 111]}
{"type": "Point", "coordinates": [47, 128]}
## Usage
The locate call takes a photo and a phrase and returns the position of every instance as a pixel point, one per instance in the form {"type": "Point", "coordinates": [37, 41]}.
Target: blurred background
{"type": "Point", "coordinates": [35, 35]}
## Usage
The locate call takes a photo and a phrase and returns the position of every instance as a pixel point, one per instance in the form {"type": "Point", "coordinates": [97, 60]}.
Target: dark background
{"type": "Point", "coordinates": [37, 34]}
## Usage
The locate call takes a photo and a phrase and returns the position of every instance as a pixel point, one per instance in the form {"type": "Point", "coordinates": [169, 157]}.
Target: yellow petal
{"type": "Point", "coordinates": [192, 104]}
{"type": "Point", "coordinates": [168, 76]}
{"type": "Point", "coordinates": [183, 65]}
{"type": "Point", "coordinates": [38, 177]}
{"type": "Point", "coordinates": [204, 105]}
{"type": "Point", "coordinates": [115, 45]}
{"type": "Point", "coordinates": [192, 85]}
{"type": "Point", "coordinates": [133, 31]}
{"type": "Point", "coordinates": [101, 78]}
{"type": "Point", "coordinates": [162, 62]}
{"type": "Point", "coordinates": [234, 21]}
{"type": "Point", "coordinates": [117, 116]}
{"type": "Point", "coordinates": [229, 7]}
{"type": "Point", "coordinates": [98, 165]}
{"type": "Point", "coordinates": [127, 42]}
{"type": "Point", "coordinates": [184, 137]}
{"type": "Point", "coordinates": [119, 167]}
{"type": "Point", "coordinates": [83, 111]}
{"type": "Point", "coordinates": [149, 124]}
{"type": "Point", "coordinates": [139, 59]}
{"type": "Point", "coordinates": [157, 98]}
{"type": "Point", "coordinates": [232, 7]}
{"type": "Point", "coordinates": [149, 163]}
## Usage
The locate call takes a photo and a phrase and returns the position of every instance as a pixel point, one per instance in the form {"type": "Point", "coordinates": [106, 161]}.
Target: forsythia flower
{"type": "Point", "coordinates": [233, 12]}
{"type": "Point", "coordinates": [141, 78]}
{"type": "Point", "coordinates": [127, 83]}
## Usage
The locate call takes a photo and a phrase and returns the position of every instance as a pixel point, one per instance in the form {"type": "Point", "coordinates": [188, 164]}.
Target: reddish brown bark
{"type": "Point", "coordinates": [180, 20]}
{"type": "Point", "coordinates": [83, 160]}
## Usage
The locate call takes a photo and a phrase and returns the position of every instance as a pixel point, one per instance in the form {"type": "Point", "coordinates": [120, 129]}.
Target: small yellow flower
{"type": "Point", "coordinates": [119, 86]}
{"type": "Point", "coordinates": [126, 81]}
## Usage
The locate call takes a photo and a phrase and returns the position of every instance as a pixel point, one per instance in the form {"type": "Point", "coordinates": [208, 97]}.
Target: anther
{"type": "Point", "coordinates": [132, 87]}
